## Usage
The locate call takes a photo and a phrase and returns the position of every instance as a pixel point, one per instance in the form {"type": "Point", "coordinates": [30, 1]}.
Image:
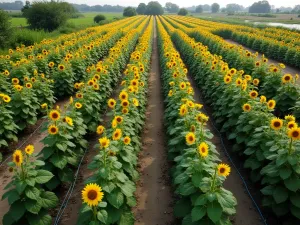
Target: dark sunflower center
{"type": "Point", "coordinates": [119, 120]}
{"type": "Point", "coordinates": [53, 129]}
{"type": "Point", "coordinates": [125, 104]}
{"type": "Point", "coordinates": [17, 158]}
{"type": "Point", "coordinates": [203, 150]}
{"type": "Point", "coordinates": [54, 115]}
{"type": "Point", "coordinates": [92, 194]}
{"type": "Point", "coordinates": [287, 78]}
{"type": "Point", "coordinates": [191, 138]}
{"type": "Point", "coordinates": [247, 107]}
{"type": "Point", "coordinates": [295, 134]}
{"type": "Point", "coordinates": [222, 170]}
{"type": "Point", "coordinates": [270, 104]}
{"type": "Point", "coordinates": [277, 124]}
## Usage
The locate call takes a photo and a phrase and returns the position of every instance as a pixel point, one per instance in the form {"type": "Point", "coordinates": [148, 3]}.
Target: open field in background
{"type": "Point", "coordinates": [280, 18]}
{"type": "Point", "coordinates": [88, 19]}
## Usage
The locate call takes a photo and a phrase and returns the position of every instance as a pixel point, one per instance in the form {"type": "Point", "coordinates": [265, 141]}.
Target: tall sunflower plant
{"type": "Point", "coordinates": [63, 77]}
{"type": "Point", "coordinates": [29, 201]}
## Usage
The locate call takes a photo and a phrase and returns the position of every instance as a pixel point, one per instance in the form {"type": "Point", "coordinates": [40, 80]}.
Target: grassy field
{"type": "Point", "coordinates": [86, 20]}
{"type": "Point", "coordinates": [223, 17]}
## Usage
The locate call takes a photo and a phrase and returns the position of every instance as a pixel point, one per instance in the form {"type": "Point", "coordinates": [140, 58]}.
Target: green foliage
{"type": "Point", "coordinates": [154, 8]}
{"type": "Point", "coordinates": [215, 7]}
{"type": "Point", "coordinates": [183, 12]}
{"type": "Point", "coordinates": [5, 28]}
{"type": "Point", "coordinates": [48, 15]}
{"type": "Point", "coordinates": [99, 18]}
{"type": "Point", "coordinates": [141, 9]}
{"type": "Point", "coordinates": [129, 11]}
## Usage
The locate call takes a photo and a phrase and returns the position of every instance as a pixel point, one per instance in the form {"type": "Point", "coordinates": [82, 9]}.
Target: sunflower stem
{"type": "Point", "coordinates": [212, 186]}
{"type": "Point", "coordinates": [95, 213]}
{"type": "Point", "coordinates": [291, 146]}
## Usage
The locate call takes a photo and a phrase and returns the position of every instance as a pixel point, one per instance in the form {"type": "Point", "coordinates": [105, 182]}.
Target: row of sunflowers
{"type": "Point", "coordinates": [279, 44]}
{"type": "Point", "coordinates": [109, 193]}
{"type": "Point", "coordinates": [270, 145]}
{"type": "Point", "coordinates": [270, 80]}
{"type": "Point", "coordinates": [36, 175]}
{"type": "Point", "coordinates": [198, 175]}
{"type": "Point", "coordinates": [26, 91]}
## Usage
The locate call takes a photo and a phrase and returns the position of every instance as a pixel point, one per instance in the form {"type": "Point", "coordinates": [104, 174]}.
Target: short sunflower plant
{"type": "Point", "coordinates": [29, 201]}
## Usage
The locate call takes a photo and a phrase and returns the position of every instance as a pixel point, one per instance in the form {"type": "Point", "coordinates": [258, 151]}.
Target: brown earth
{"type": "Point", "coordinates": [154, 194]}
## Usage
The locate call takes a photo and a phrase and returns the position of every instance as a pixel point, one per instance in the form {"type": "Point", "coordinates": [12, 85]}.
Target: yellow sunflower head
{"type": "Point", "coordinates": [227, 79]}
{"type": "Point", "coordinates": [92, 194]}
{"type": "Point", "coordinates": [276, 123]}
{"type": "Point", "coordinates": [44, 106]}
{"type": "Point", "coordinates": [69, 121]}
{"type": "Point", "coordinates": [223, 170]}
{"type": "Point", "coordinates": [286, 78]}
{"type": "Point", "coordinates": [104, 142]}
{"type": "Point", "coordinates": [263, 99]}
{"type": "Point", "coordinates": [125, 103]}
{"type": "Point", "coordinates": [292, 124]}
{"type": "Point", "coordinates": [100, 129]}
{"type": "Point", "coordinates": [190, 138]}
{"type": "Point", "coordinates": [294, 133]}
{"type": "Point", "coordinates": [29, 149]}
{"type": "Point", "coordinates": [271, 104]}
{"type": "Point", "coordinates": [290, 118]}
{"type": "Point", "coordinates": [203, 149]}
{"type": "Point", "coordinates": [182, 85]}
{"type": "Point", "coordinates": [126, 140]}
{"type": "Point", "coordinates": [18, 157]}
{"type": "Point", "coordinates": [253, 94]}
{"type": "Point", "coordinates": [202, 118]}
{"type": "Point", "coordinates": [119, 119]}
{"type": "Point", "coordinates": [123, 95]}
{"type": "Point", "coordinates": [78, 105]}
{"type": "Point", "coordinates": [117, 134]}
{"type": "Point", "coordinates": [111, 103]}
{"type": "Point", "coordinates": [183, 110]}
{"type": "Point", "coordinates": [247, 107]}
{"type": "Point", "coordinates": [125, 110]}
{"type": "Point", "coordinates": [52, 129]}
{"type": "Point", "coordinates": [135, 102]}
{"type": "Point", "coordinates": [28, 85]}
{"type": "Point", "coordinates": [79, 95]}
{"type": "Point", "coordinates": [256, 82]}
{"type": "Point", "coordinates": [54, 115]}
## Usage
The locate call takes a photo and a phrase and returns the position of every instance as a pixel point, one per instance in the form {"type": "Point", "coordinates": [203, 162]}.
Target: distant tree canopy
{"type": "Point", "coordinates": [234, 7]}
{"type": "Point", "coordinates": [129, 11]}
{"type": "Point", "coordinates": [98, 8]}
{"type": "Point", "coordinates": [199, 9]}
{"type": "Point", "coordinates": [154, 8]}
{"type": "Point", "coordinates": [99, 18]}
{"type": "Point", "coordinates": [48, 15]}
{"type": "Point", "coordinates": [215, 8]}
{"type": "Point", "coordinates": [296, 9]}
{"type": "Point", "coordinates": [171, 7]}
{"type": "Point", "coordinates": [17, 5]}
{"type": "Point", "coordinates": [183, 12]}
{"type": "Point", "coordinates": [5, 29]}
{"type": "Point", "coordinates": [141, 9]}
{"type": "Point", "coordinates": [260, 7]}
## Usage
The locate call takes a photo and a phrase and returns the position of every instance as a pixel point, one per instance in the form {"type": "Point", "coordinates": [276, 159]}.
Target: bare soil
{"type": "Point", "coordinates": [154, 194]}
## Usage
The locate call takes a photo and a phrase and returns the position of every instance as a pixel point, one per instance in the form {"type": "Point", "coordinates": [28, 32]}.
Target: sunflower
{"type": "Point", "coordinates": [142, 84]}
{"type": "Point", "coordinates": [170, 94]}
{"type": "Point", "coordinates": [202, 118]}
{"type": "Point", "coordinates": [29, 149]}
{"type": "Point", "coordinates": [135, 102]}
{"type": "Point", "coordinates": [117, 134]}
{"type": "Point", "coordinates": [44, 105]}
{"type": "Point", "coordinates": [125, 103]}
{"type": "Point", "coordinates": [248, 77]}
{"type": "Point", "coordinates": [92, 194]}
{"type": "Point", "coordinates": [126, 140]}
{"type": "Point", "coordinates": [183, 110]}
{"type": "Point", "coordinates": [6, 98]}
{"type": "Point", "coordinates": [18, 157]}
{"type": "Point", "coordinates": [90, 82]}
{"type": "Point", "coordinates": [52, 129]}
{"type": "Point", "coordinates": [290, 118]}
{"type": "Point", "coordinates": [96, 87]}
{"type": "Point", "coordinates": [119, 119]}
{"type": "Point", "coordinates": [15, 81]}
{"type": "Point", "coordinates": [61, 67]}
{"type": "Point", "coordinates": [78, 105]}
{"type": "Point", "coordinates": [79, 95]}
{"type": "Point", "coordinates": [275, 69]}
{"type": "Point", "coordinates": [238, 81]}
{"type": "Point", "coordinates": [263, 99]}
{"type": "Point", "coordinates": [256, 82]}
{"type": "Point", "coordinates": [111, 103]}
{"type": "Point", "coordinates": [292, 124]}
{"type": "Point", "coordinates": [100, 129]}
{"type": "Point", "coordinates": [190, 104]}
{"type": "Point", "coordinates": [125, 110]}
{"type": "Point", "coordinates": [104, 142]}
{"type": "Point", "coordinates": [182, 85]}
{"type": "Point", "coordinates": [193, 128]}
{"type": "Point", "coordinates": [294, 133]}
{"type": "Point", "coordinates": [54, 115]}
{"type": "Point", "coordinates": [190, 138]}
{"type": "Point", "coordinates": [253, 94]}
{"type": "Point", "coordinates": [51, 64]}
{"type": "Point", "coordinates": [247, 107]}
{"type": "Point", "coordinates": [286, 78]}
{"type": "Point", "coordinates": [28, 85]}
{"type": "Point", "coordinates": [223, 170]}
{"type": "Point", "coordinates": [276, 123]}
{"type": "Point", "coordinates": [203, 149]}
{"type": "Point", "coordinates": [271, 104]}
{"type": "Point", "coordinates": [69, 120]}
{"type": "Point", "coordinates": [123, 95]}
{"type": "Point", "coordinates": [134, 82]}
{"type": "Point", "coordinates": [227, 79]}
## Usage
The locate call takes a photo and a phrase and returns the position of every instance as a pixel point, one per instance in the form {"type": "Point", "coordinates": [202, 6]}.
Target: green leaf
{"type": "Point", "coordinates": [201, 200]}
{"type": "Point", "coordinates": [41, 219]}
{"type": "Point", "coordinates": [295, 199]}
{"type": "Point", "coordinates": [18, 210]}
{"type": "Point", "coordinates": [182, 207]}
{"type": "Point", "coordinates": [32, 193]}
{"type": "Point", "coordinates": [102, 216]}
{"type": "Point", "coordinates": [48, 199]}
{"type": "Point", "coordinates": [12, 196]}
{"type": "Point", "coordinates": [8, 219]}
{"type": "Point", "coordinates": [214, 211]}
{"type": "Point", "coordinates": [292, 183]}
{"type": "Point", "coordinates": [101, 205]}
{"type": "Point", "coordinates": [32, 206]}
{"type": "Point", "coordinates": [198, 212]}
{"type": "Point", "coordinates": [39, 163]}
{"type": "Point", "coordinates": [116, 198]}
{"type": "Point", "coordinates": [285, 173]}
{"type": "Point", "coordinates": [59, 160]}
{"type": "Point", "coordinates": [280, 194]}
{"type": "Point", "coordinates": [20, 186]}
{"type": "Point", "coordinates": [126, 219]}
{"type": "Point", "coordinates": [43, 176]}
{"type": "Point", "coordinates": [295, 211]}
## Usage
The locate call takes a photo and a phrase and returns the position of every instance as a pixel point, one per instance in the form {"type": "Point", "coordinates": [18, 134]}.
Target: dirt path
{"type": "Point", "coordinates": [35, 139]}
{"type": "Point", "coordinates": [246, 214]}
{"type": "Point", "coordinates": [288, 69]}
{"type": "Point", "coordinates": [154, 194]}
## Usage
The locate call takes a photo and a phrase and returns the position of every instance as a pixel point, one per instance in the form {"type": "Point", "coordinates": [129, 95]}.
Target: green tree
{"type": "Point", "coordinates": [260, 7]}
{"type": "Point", "coordinates": [26, 6]}
{"type": "Point", "coordinates": [215, 8]}
{"type": "Point", "coordinates": [171, 7]}
{"type": "Point", "coordinates": [129, 11]}
{"type": "Point", "coordinates": [183, 12]}
{"type": "Point", "coordinates": [5, 29]}
{"type": "Point", "coordinates": [141, 9]}
{"type": "Point", "coordinates": [99, 18]}
{"type": "Point", "coordinates": [154, 8]}
{"type": "Point", "coordinates": [48, 15]}
{"type": "Point", "coordinates": [199, 9]}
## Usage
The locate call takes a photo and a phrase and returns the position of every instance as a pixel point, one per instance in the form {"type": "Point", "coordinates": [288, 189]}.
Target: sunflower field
{"type": "Point", "coordinates": [87, 94]}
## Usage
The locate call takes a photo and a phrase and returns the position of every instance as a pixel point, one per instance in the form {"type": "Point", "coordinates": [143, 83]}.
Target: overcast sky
{"type": "Point", "coordinates": [183, 3]}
